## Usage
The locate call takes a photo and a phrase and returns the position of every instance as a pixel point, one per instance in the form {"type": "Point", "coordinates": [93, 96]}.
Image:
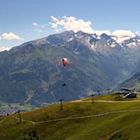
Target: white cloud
{"type": "Point", "coordinates": [71, 23]}
{"type": "Point", "coordinates": [3, 48]}
{"type": "Point", "coordinates": [39, 27]}
{"type": "Point", "coordinates": [121, 35]}
{"type": "Point", "coordinates": [10, 36]}
{"type": "Point", "coordinates": [118, 35]}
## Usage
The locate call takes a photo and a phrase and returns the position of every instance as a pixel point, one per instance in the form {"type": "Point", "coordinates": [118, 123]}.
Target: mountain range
{"type": "Point", "coordinates": [32, 73]}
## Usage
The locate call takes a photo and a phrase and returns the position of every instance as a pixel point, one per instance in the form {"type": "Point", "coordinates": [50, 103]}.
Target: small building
{"type": "Point", "coordinates": [128, 93]}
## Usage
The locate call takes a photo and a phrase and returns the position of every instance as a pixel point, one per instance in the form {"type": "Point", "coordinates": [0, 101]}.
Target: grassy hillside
{"type": "Point", "coordinates": [79, 120]}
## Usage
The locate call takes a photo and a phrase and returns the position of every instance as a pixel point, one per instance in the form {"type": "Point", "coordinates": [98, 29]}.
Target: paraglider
{"type": "Point", "coordinates": [64, 84]}
{"type": "Point", "coordinates": [64, 61]}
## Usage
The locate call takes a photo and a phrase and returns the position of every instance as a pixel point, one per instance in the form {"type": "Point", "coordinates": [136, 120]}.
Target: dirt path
{"type": "Point", "coordinates": [105, 101]}
{"type": "Point", "coordinates": [2, 120]}
{"type": "Point", "coordinates": [86, 116]}
{"type": "Point", "coordinates": [82, 117]}
{"type": "Point", "coordinates": [110, 101]}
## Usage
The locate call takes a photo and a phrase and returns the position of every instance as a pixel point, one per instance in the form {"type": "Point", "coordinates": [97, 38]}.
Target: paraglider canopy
{"type": "Point", "coordinates": [64, 61]}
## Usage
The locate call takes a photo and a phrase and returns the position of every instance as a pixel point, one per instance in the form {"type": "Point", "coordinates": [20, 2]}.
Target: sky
{"type": "Point", "coordinates": [25, 20]}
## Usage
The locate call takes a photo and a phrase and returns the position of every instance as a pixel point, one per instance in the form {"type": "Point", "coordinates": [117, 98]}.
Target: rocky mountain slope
{"type": "Point", "coordinates": [32, 72]}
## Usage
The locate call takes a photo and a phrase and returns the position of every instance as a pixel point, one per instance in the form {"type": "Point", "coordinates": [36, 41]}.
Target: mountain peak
{"type": "Point", "coordinates": [90, 40]}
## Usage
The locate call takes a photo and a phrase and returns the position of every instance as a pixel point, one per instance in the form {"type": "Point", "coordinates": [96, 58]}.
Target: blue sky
{"type": "Point", "coordinates": [20, 16]}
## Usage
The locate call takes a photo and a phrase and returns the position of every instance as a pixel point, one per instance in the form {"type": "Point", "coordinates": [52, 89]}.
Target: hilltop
{"type": "Point", "coordinates": [79, 120]}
